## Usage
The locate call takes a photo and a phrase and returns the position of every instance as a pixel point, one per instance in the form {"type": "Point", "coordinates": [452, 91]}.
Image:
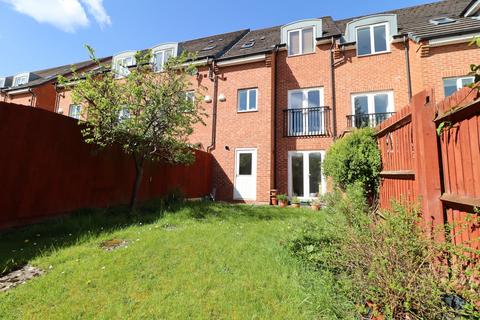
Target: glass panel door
{"type": "Point", "coordinates": [360, 111]}
{"type": "Point", "coordinates": [297, 175]}
{"type": "Point", "coordinates": [296, 115]}
{"type": "Point", "coordinates": [306, 180]}
{"type": "Point", "coordinates": [314, 115]}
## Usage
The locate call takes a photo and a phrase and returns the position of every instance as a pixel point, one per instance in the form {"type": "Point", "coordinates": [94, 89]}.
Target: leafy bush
{"type": "Point", "coordinates": [354, 158]}
{"type": "Point", "coordinates": [387, 262]}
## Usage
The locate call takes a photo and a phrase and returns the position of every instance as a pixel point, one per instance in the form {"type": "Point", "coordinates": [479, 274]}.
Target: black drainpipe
{"type": "Point", "coordinates": [275, 115]}
{"type": "Point", "coordinates": [34, 96]}
{"type": "Point", "coordinates": [407, 62]}
{"type": "Point", "coordinates": [334, 93]}
{"type": "Point", "coordinates": [214, 78]}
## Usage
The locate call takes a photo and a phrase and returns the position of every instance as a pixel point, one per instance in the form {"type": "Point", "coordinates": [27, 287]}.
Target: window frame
{"type": "Point", "coordinates": [79, 114]}
{"type": "Point", "coordinates": [458, 82]}
{"type": "Point", "coordinates": [248, 100]}
{"type": "Point", "coordinates": [371, 100]}
{"type": "Point", "coordinates": [118, 67]}
{"type": "Point", "coordinates": [163, 51]}
{"type": "Point", "coordinates": [3, 80]}
{"type": "Point", "coordinates": [20, 76]}
{"type": "Point", "coordinates": [372, 38]}
{"type": "Point", "coordinates": [306, 173]}
{"type": "Point", "coordinates": [300, 31]}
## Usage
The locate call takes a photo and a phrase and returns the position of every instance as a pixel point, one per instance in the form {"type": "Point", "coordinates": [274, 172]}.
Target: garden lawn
{"type": "Point", "coordinates": [192, 261]}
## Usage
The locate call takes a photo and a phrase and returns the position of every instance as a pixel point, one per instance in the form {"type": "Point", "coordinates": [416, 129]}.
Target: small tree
{"type": "Point", "coordinates": [150, 115]}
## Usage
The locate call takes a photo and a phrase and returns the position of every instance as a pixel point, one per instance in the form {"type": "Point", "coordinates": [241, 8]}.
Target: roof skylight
{"type": "Point", "coordinates": [442, 20]}
{"type": "Point", "coordinates": [248, 44]}
{"type": "Point", "coordinates": [209, 47]}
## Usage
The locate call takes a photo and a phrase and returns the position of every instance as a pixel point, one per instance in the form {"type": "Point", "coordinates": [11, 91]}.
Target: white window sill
{"type": "Point", "coordinates": [300, 54]}
{"type": "Point", "coordinates": [247, 111]}
{"type": "Point", "coordinates": [373, 54]}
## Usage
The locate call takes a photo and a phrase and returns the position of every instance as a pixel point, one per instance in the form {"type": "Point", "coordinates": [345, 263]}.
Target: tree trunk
{"type": "Point", "coordinates": [137, 182]}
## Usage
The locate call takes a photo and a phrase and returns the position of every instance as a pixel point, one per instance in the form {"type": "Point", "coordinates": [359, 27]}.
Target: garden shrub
{"type": "Point", "coordinates": [387, 261]}
{"type": "Point", "coordinates": [354, 158]}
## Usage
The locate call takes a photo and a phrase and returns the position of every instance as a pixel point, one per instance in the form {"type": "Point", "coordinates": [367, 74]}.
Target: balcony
{"type": "Point", "coordinates": [306, 122]}
{"type": "Point", "coordinates": [367, 119]}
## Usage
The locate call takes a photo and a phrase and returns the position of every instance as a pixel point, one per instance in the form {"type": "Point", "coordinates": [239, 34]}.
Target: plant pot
{"type": "Point", "coordinates": [315, 207]}
{"type": "Point", "coordinates": [282, 204]}
{"type": "Point", "coordinates": [296, 205]}
{"type": "Point", "coordinates": [274, 201]}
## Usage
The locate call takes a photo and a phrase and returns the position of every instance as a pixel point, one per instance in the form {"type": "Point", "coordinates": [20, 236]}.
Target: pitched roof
{"type": "Point", "coordinates": [47, 75]}
{"type": "Point", "coordinates": [415, 20]}
{"type": "Point", "coordinates": [219, 44]}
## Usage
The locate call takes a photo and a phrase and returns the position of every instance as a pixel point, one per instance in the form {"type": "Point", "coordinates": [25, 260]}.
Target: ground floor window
{"type": "Point", "coordinates": [305, 176]}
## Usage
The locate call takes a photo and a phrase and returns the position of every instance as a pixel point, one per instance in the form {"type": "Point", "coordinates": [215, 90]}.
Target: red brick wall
{"type": "Point", "coordinates": [244, 130]}
{"type": "Point", "coordinates": [300, 72]}
{"type": "Point", "coordinates": [447, 61]}
{"type": "Point", "coordinates": [382, 72]}
{"type": "Point", "coordinates": [43, 97]}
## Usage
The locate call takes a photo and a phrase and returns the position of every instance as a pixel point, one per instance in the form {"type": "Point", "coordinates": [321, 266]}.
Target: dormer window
{"type": "Point", "coordinates": [160, 58]}
{"type": "Point", "coordinates": [372, 39]}
{"type": "Point", "coordinates": [372, 34]}
{"type": "Point", "coordinates": [162, 53]}
{"type": "Point", "coordinates": [20, 79]}
{"type": "Point", "coordinates": [122, 62]}
{"type": "Point", "coordinates": [2, 82]}
{"type": "Point", "coordinates": [301, 41]}
{"type": "Point", "coordinates": [300, 36]}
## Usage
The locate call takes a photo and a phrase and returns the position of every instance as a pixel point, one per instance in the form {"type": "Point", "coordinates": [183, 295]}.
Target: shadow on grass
{"type": "Point", "coordinates": [19, 246]}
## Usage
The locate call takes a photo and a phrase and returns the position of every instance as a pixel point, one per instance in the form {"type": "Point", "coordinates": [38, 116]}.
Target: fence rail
{"type": "Point", "coordinates": [306, 122]}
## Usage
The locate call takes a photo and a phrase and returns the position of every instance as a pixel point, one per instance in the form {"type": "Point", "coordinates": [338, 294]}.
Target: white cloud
{"type": "Point", "coordinates": [97, 10]}
{"type": "Point", "coordinates": [67, 15]}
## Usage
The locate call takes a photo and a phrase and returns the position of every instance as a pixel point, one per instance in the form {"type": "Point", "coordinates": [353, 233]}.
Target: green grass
{"type": "Point", "coordinates": [196, 261]}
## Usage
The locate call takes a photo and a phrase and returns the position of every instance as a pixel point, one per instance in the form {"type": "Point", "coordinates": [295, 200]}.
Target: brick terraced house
{"type": "Point", "coordinates": [277, 98]}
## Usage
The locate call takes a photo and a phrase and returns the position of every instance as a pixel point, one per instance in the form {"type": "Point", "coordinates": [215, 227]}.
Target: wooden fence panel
{"type": "Point", "coordinates": [46, 169]}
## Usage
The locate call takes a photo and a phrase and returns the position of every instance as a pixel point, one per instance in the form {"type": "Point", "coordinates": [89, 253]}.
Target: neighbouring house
{"type": "Point", "coordinates": [37, 88]}
{"type": "Point", "coordinates": [277, 98]}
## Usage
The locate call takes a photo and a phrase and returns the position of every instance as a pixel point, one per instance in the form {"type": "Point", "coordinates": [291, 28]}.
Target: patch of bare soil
{"type": "Point", "coordinates": [18, 277]}
{"type": "Point", "coordinates": [113, 244]}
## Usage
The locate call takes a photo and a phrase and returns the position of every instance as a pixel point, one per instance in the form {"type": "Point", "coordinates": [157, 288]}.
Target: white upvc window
{"type": "Point", "coordinates": [122, 64]}
{"type": "Point", "coordinates": [301, 41]}
{"type": "Point", "coordinates": [372, 39]}
{"type": "Point", "coordinates": [305, 112]}
{"type": "Point", "coordinates": [371, 109]}
{"type": "Point", "coordinates": [452, 85]}
{"type": "Point", "coordinates": [247, 100]}
{"type": "Point", "coordinates": [75, 111]}
{"type": "Point", "coordinates": [20, 79]}
{"type": "Point", "coordinates": [190, 96]}
{"type": "Point", "coordinates": [160, 57]}
{"type": "Point", "coordinates": [124, 114]}
{"type": "Point", "coordinates": [305, 175]}
{"type": "Point", "coordinates": [2, 82]}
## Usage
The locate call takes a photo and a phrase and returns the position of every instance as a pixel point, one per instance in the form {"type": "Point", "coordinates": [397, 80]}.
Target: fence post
{"type": "Point", "coordinates": [427, 164]}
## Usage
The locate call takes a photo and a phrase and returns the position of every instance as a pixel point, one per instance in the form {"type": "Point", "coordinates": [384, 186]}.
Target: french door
{"type": "Point", "coordinates": [305, 116]}
{"type": "Point", "coordinates": [305, 176]}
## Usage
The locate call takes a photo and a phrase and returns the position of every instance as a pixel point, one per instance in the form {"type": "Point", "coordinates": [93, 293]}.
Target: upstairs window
{"type": "Point", "coordinates": [20, 79]}
{"type": "Point", "coordinates": [190, 96]}
{"type": "Point", "coordinates": [247, 100]}
{"type": "Point", "coordinates": [75, 111]}
{"type": "Point", "coordinates": [372, 39]}
{"type": "Point", "coordinates": [452, 85]}
{"type": "Point", "coordinates": [121, 66]}
{"type": "Point", "coordinates": [2, 82]}
{"type": "Point", "coordinates": [301, 41]}
{"type": "Point", "coordinates": [160, 57]}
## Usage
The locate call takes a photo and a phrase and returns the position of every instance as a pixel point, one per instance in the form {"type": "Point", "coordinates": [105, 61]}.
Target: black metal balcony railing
{"type": "Point", "coordinates": [306, 122]}
{"type": "Point", "coordinates": [363, 120]}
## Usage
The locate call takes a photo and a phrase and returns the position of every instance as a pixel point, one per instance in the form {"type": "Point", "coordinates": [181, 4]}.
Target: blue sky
{"type": "Point", "coordinates": [37, 34]}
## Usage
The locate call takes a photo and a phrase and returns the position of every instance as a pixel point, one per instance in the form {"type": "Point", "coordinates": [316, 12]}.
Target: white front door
{"type": "Point", "coordinates": [245, 174]}
{"type": "Point", "coordinates": [305, 176]}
